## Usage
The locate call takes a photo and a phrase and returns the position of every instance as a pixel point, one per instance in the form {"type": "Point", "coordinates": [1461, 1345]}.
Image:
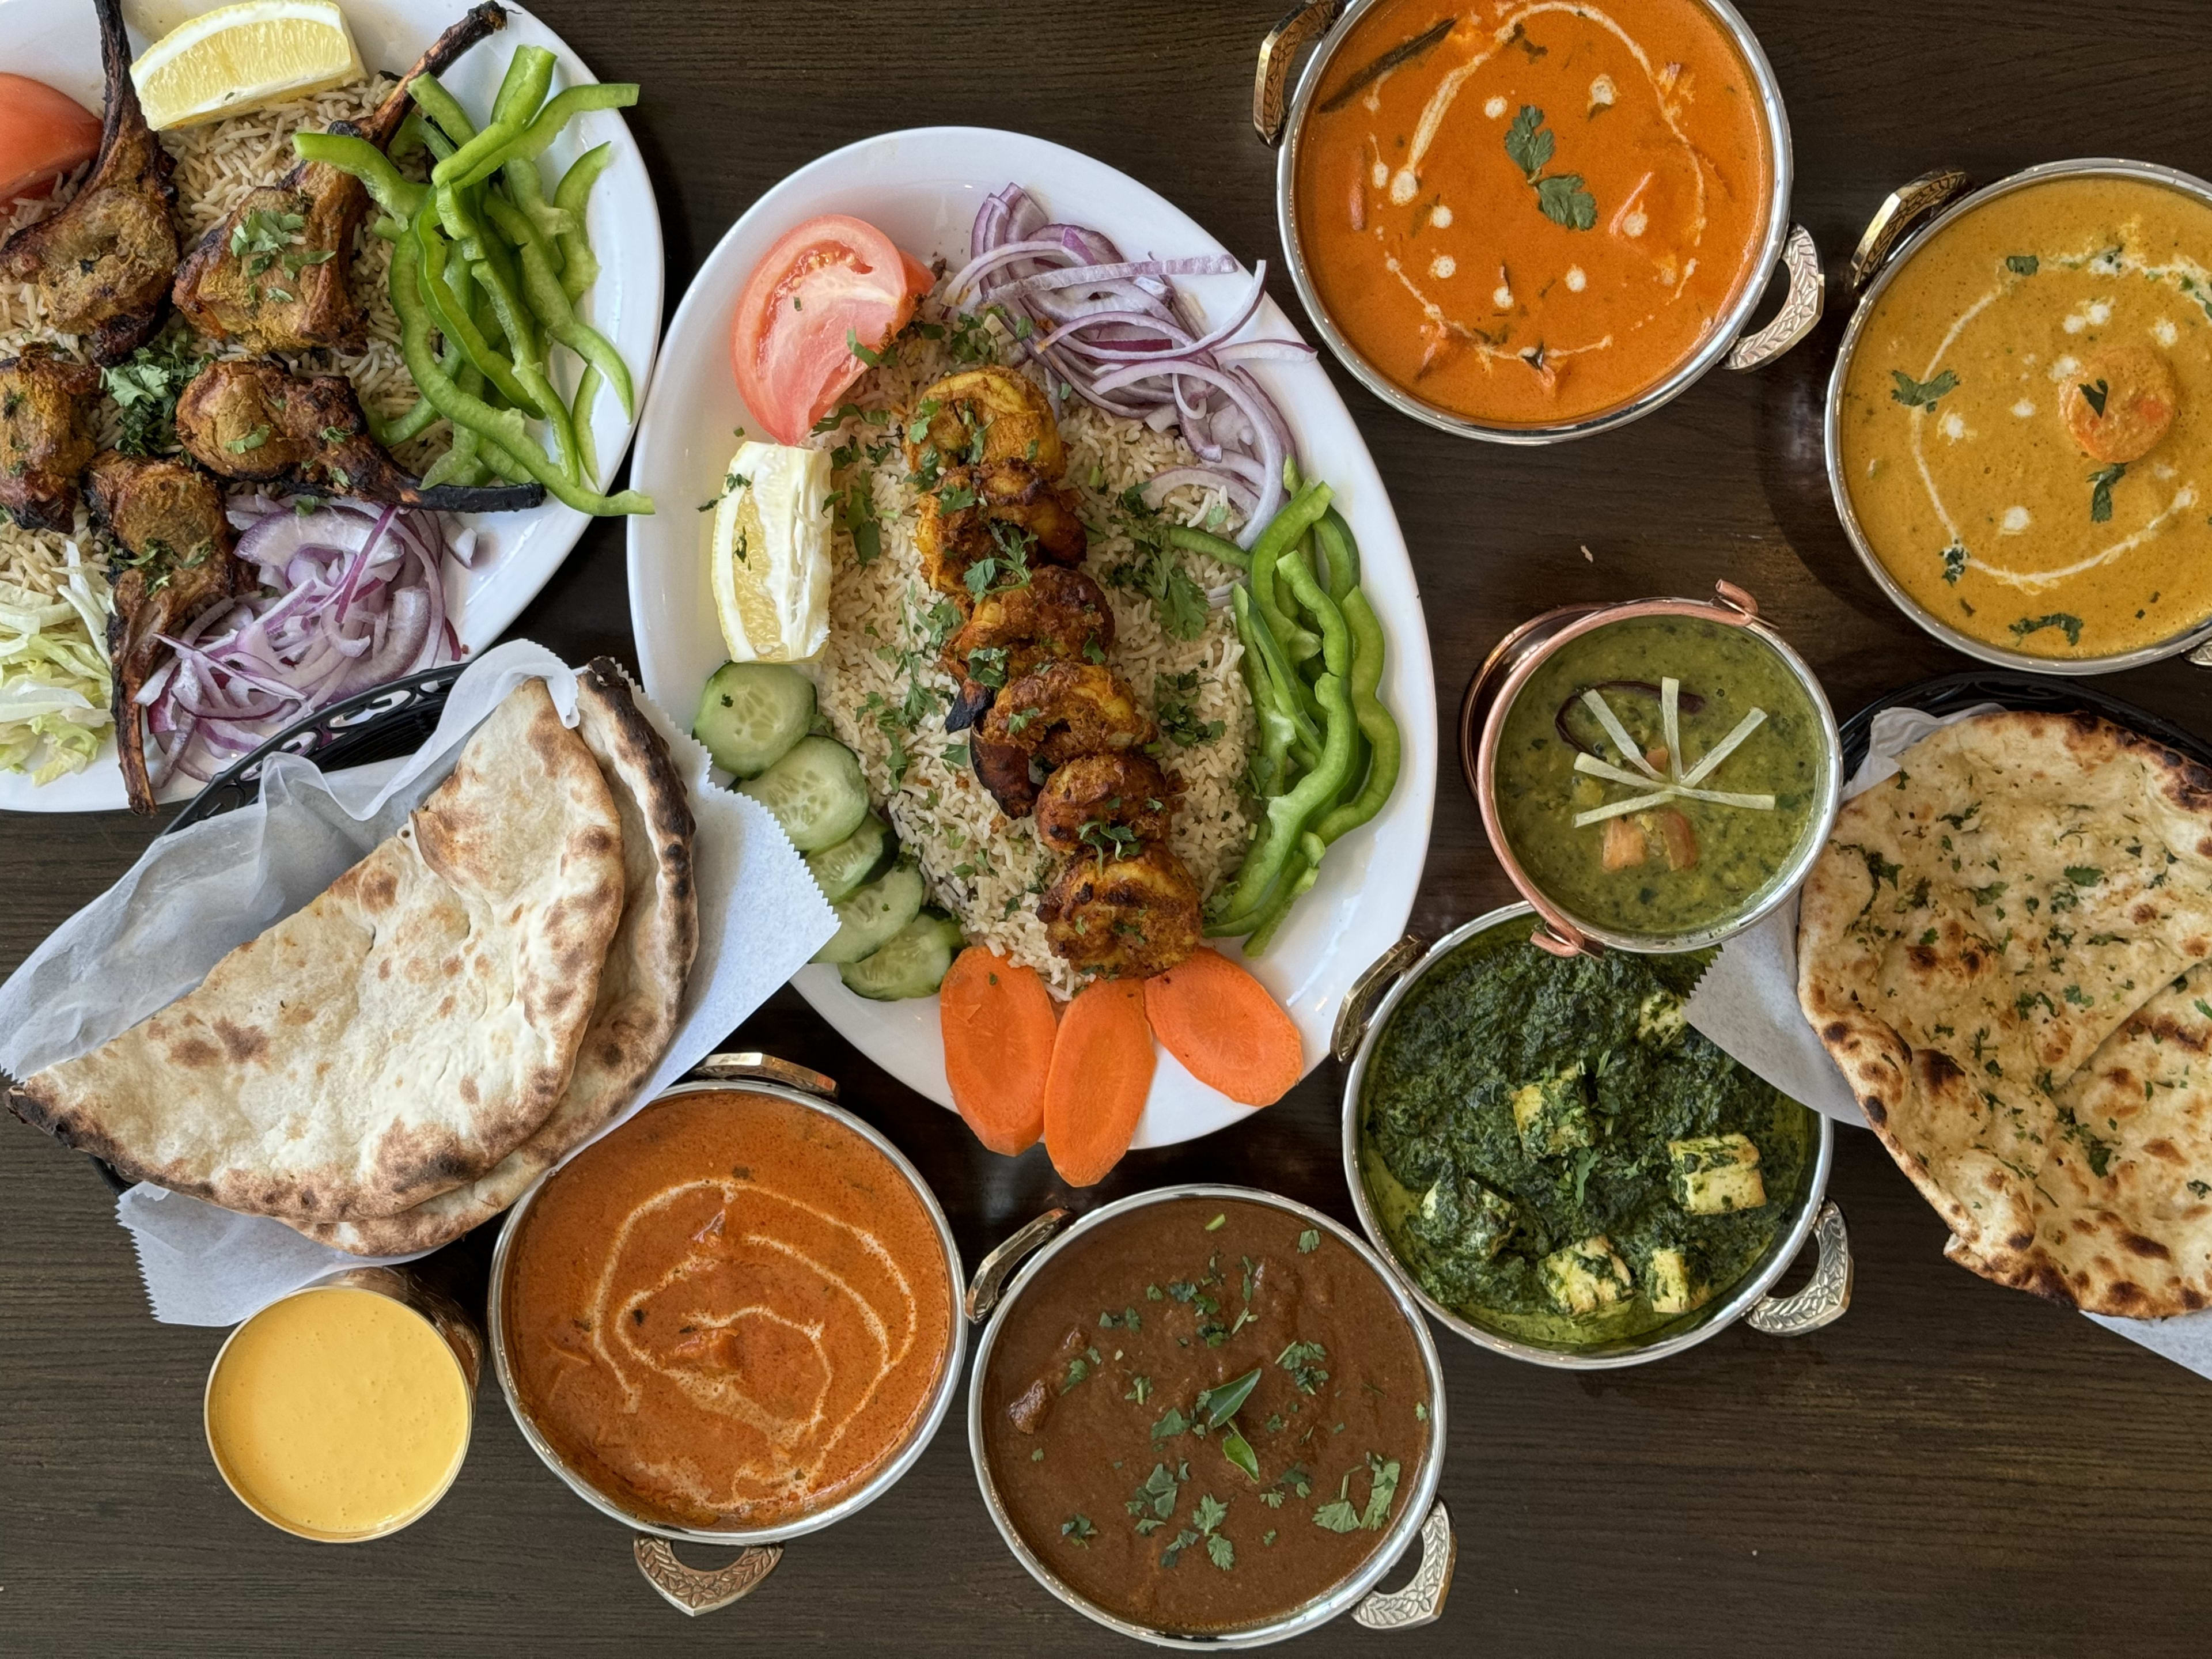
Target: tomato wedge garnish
{"type": "Point", "coordinates": [43, 135]}
{"type": "Point", "coordinates": [832, 283]}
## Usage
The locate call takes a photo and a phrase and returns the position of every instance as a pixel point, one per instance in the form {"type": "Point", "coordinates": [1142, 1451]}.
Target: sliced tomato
{"type": "Point", "coordinates": [43, 135]}
{"type": "Point", "coordinates": [831, 283]}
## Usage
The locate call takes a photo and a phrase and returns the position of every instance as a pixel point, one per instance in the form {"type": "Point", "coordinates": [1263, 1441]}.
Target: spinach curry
{"type": "Point", "coordinates": [1555, 1154]}
{"type": "Point", "coordinates": [1204, 1414]}
{"type": "Point", "coordinates": [1690, 820]}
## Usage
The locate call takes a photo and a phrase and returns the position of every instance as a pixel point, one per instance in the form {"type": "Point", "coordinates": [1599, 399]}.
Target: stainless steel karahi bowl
{"type": "Point", "coordinates": [1490, 697]}
{"type": "Point", "coordinates": [1280, 116]}
{"type": "Point", "coordinates": [1010, 1270]}
{"type": "Point", "coordinates": [1913, 216]}
{"type": "Point", "coordinates": [1813, 1215]}
{"type": "Point", "coordinates": [691, 1589]}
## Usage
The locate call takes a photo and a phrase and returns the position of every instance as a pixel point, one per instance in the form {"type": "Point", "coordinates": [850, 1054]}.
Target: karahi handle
{"type": "Point", "coordinates": [1300, 27]}
{"type": "Point", "coordinates": [691, 1591]}
{"type": "Point", "coordinates": [1825, 1295]}
{"type": "Point", "coordinates": [1422, 1601]}
{"type": "Point", "coordinates": [990, 1280]}
{"type": "Point", "coordinates": [752, 1066]}
{"type": "Point", "coordinates": [1800, 305]}
{"type": "Point", "coordinates": [1353, 1017]}
{"type": "Point", "coordinates": [1901, 213]}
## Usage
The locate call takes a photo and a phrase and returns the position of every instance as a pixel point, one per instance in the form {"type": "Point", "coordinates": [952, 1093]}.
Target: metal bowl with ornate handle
{"type": "Point", "coordinates": [693, 1590]}
{"type": "Point", "coordinates": [1489, 699]}
{"type": "Point", "coordinates": [1011, 1270]}
{"type": "Point", "coordinates": [1366, 1015]}
{"type": "Point", "coordinates": [1279, 114]}
{"type": "Point", "coordinates": [1910, 218]}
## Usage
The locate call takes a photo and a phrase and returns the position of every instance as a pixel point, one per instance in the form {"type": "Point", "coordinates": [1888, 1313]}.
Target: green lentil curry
{"type": "Point", "coordinates": [1683, 864]}
{"type": "Point", "coordinates": [1558, 1156]}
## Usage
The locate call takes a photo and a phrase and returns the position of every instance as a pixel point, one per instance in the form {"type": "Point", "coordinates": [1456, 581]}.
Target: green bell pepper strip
{"type": "Point", "coordinates": [1193, 540]}
{"type": "Point", "coordinates": [549, 300]}
{"type": "Point", "coordinates": [503, 430]}
{"type": "Point", "coordinates": [1283, 682]}
{"type": "Point", "coordinates": [457, 211]}
{"type": "Point", "coordinates": [498, 144]}
{"type": "Point", "coordinates": [401, 197]}
{"type": "Point", "coordinates": [1274, 544]}
{"type": "Point", "coordinates": [1334, 535]}
{"type": "Point", "coordinates": [1288, 816]}
{"type": "Point", "coordinates": [1305, 587]}
{"type": "Point", "coordinates": [580, 417]}
{"type": "Point", "coordinates": [451, 319]}
{"type": "Point", "coordinates": [1297, 879]}
{"type": "Point", "coordinates": [523, 87]}
{"type": "Point", "coordinates": [408, 139]}
{"type": "Point", "coordinates": [525, 188]}
{"type": "Point", "coordinates": [442, 109]}
{"type": "Point", "coordinates": [419, 418]}
{"type": "Point", "coordinates": [1276, 729]}
{"type": "Point", "coordinates": [1376, 724]}
{"type": "Point", "coordinates": [573, 196]}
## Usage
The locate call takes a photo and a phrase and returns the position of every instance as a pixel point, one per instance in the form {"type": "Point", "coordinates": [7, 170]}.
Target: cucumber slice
{"type": "Point", "coordinates": [873, 913]}
{"type": "Point", "coordinates": [815, 792]}
{"type": "Point", "coordinates": [839, 869]}
{"type": "Point", "coordinates": [752, 712]}
{"type": "Point", "coordinates": [912, 963]}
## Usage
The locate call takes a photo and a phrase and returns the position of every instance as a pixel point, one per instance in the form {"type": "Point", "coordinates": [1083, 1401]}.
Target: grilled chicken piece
{"type": "Point", "coordinates": [1099, 803]}
{"type": "Point", "coordinates": [248, 419]}
{"type": "Point", "coordinates": [1003, 508]}
{"type": "Point", "coordinates": [1009, 410]}
{"type": "Point", "coordinates": [175, 562]}
{"type": "Point", "coordinates": [1067, 710]}
{"type": "Point", "coordinates": [46, 435]}
{"type": "Point", "coordinates": [1058, 615]}
{"type": "Point", "coordinates": [273, 274]}
{"type": "Point", "coordinates": [102, 264]}
{"type": "Point", "coordinates": [1007, 773]}
{"type": "Point", "coordinates": [1124, 918]}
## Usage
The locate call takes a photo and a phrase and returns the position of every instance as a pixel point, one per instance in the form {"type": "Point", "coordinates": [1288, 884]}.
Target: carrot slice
{"type": "Point", "coordinates": [999, 1030]}
{"type": "Point", "coordinates": [1226, 1029]}
{"type": "Point", "coordinates": [1102, 1071]}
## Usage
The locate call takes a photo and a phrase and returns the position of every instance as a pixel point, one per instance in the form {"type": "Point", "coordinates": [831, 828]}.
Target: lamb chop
{"type": "Point", "coordinates": [273, 274]}
{"type": "Point", "coordinates": [46, 435]}
{"type": "Point", "coordinates": [248, 419]}
{"type": "Point", "coordinates": [174, 562]}
{"type": "Point", "coordinates": [102, 264]}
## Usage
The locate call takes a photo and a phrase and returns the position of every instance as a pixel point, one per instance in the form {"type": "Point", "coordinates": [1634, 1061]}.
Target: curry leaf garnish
{"type": "Point", "coordinates": [1218, 1404]}
{"type": "Point", "coordinates": [2094, 394]}
{"type": "Point", "coordinates": [1954, 562]}
{"type": "Point", "coordinates": [2022, 264]}
{"type": "Point", "coordinates": [2100, 487]}
{"type": "Point", "coordinates": [1922, 394]}
{"type": "Point", "coordinates": [1238, 1450]}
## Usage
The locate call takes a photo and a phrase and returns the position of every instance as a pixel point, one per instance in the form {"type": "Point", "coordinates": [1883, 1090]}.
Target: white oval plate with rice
{"type": "Point", "coordinates": [922, 188]}
{"type": "Point", "coordinates": [58, 41]}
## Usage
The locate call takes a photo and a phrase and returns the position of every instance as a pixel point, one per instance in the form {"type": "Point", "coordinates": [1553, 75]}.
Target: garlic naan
{"type": "Point", "coordinates": [1990, 947]}
{"type": "Point", "coordinates": [402, 1033]}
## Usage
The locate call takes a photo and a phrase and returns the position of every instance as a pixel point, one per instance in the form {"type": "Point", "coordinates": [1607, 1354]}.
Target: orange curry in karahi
{"type": "Point", "coordinates": [730, 1313]}
{"type": "Point", "coordinates": [1530, 214]}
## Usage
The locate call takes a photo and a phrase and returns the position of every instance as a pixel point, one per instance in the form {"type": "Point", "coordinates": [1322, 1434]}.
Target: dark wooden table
{"type": "Point", "coordinates": [1953, 1467]}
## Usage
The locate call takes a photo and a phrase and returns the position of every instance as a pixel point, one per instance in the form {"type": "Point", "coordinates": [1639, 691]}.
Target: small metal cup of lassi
{"type": "Point", "coordinates": [341, 1412]}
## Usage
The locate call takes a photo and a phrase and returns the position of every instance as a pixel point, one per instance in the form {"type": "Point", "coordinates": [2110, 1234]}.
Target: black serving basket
{"type": "Point", "coordinates": [2030, 693]}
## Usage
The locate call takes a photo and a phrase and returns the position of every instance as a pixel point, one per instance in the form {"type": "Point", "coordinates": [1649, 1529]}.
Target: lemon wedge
{"type": "Point", "coordinates": [242, 57]}
{"type": "Point", "coordinates": [770, 556]}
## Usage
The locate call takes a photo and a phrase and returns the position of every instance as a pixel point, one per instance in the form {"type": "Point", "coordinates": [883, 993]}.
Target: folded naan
{"type": "Point", "coordinates": [640, 988]}
{"type": "Point", "coordinates": [1989, 946]}
{"type": "Point", "coordinates": [402, 1033]}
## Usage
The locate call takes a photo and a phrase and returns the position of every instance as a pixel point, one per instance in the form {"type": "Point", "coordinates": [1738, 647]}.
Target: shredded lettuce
{"type": "Point", "coordinates": [55, 679]}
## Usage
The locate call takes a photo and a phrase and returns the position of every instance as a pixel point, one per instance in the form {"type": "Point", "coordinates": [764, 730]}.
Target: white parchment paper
{"type": "Point", "coordinates": [196, 896]}
{"type": "Point", "coordinates": [1747, 1003]}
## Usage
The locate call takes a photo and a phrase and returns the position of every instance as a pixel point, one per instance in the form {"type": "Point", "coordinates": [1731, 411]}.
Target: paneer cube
{"type": "Point", "coordinates": [1586, 1276]}
{"type": "Point", "coordinates": [1667, 1282]}
{"type": "Point", "coordinates": [1659, 1019]}
{"type": "Point", "coordinates": [1716, 1174]}
{"type": "Point", "coordinates": [1463, 1216]}
{"type": "Point", "coordinates": [1552, 1115]}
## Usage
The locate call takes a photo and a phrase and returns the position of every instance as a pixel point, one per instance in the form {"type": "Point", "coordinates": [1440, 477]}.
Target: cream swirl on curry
{"type": "Point", "coordinates": [732, 1312]}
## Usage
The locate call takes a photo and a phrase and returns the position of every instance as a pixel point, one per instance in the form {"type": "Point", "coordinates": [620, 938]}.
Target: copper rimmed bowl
{"type": "Point", "coordinates": [1490, 697]}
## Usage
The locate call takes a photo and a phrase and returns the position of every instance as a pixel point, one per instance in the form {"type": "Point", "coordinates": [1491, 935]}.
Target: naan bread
{"type": "Point", "coordinates": [1995, 946]}
{"type": "Point", "coordinates": [402, 1032]}
{"type": "Point", "coordinates": [640, 988]}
